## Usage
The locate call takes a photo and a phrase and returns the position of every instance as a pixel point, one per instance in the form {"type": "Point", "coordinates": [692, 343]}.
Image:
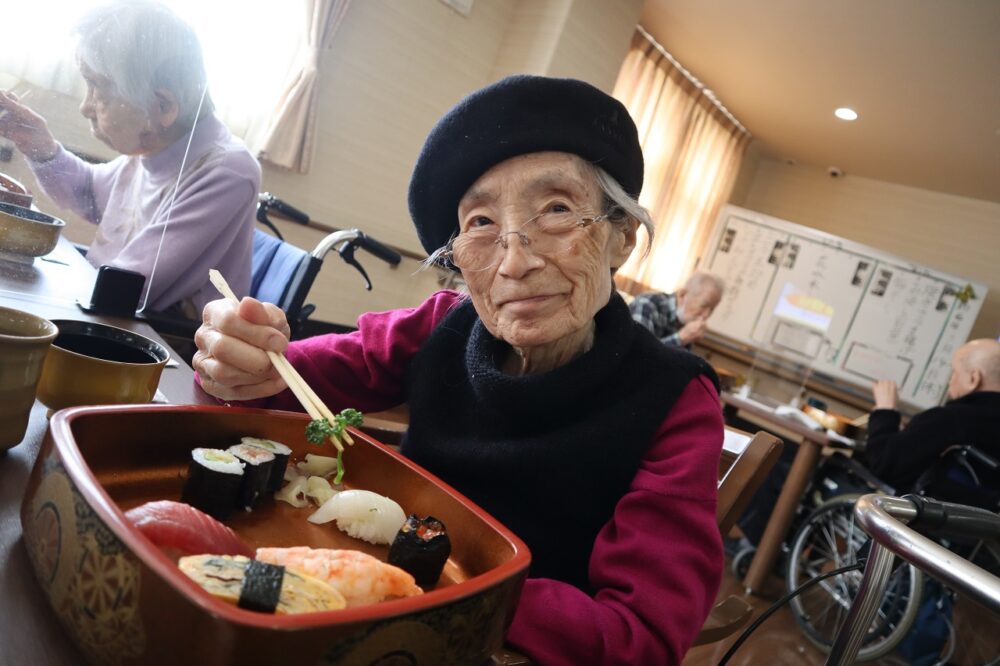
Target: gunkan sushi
{"type": "Point", "coordinates": [421, 547]}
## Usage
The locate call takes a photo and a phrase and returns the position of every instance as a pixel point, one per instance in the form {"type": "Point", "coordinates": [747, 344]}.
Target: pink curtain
{"type": "Point", "coordinates": [288, 140]}
{"type": "Point", "coordinates": [693, 153]}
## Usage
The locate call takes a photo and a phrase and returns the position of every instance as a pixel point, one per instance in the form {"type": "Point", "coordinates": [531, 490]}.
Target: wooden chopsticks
{"type": "Point", "coordinates": [306, 396]}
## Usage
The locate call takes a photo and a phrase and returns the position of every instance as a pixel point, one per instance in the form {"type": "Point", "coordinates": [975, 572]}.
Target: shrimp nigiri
{"type": "Point", "coordinates": [361, 578]}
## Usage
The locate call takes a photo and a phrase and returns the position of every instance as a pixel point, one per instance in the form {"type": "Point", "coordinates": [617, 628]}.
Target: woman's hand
{"type": "Point", "coordinates": [28, 130]}
{"type": "Point", "coordinates": [886, 394]}
{"type": "Point", "coordinates": [233, 342]}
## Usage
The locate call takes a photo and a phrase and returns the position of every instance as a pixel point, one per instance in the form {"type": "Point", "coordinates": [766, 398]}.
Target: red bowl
{"type": "Point", "coordinates": [124, 601]}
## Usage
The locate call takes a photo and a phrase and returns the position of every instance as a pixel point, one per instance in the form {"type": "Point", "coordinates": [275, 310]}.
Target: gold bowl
{"type": "Point", "coordinates": [96, 364]}
{"type": "Point", "coordinates": [24, 342]}
{"type": "Point", "coordinates": [26, 232]}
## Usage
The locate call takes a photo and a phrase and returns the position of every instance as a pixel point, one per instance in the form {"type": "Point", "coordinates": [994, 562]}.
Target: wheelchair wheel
{"type": "Point", "coordinates": [828, 540]}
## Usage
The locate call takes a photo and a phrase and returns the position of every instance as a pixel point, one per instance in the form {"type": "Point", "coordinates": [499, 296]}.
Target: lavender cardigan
{"type": "Point", "coordinates": [210, 224]}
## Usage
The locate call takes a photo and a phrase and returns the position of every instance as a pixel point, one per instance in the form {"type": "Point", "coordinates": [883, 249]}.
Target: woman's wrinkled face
{"type": "Point", "coordinates": [529, 299]}
{"type": "Point", "coordinates": [113, 120]}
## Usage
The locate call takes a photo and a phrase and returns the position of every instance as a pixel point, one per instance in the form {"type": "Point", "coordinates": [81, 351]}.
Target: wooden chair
{"type": "Point", "coordinates": [740, 475]}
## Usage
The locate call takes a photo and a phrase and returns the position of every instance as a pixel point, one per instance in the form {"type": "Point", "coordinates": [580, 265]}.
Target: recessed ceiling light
{"type": "Point", "coordinates": [846, 114]}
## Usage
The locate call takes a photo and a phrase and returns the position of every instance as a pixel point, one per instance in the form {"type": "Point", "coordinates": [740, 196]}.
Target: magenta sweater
{"type": "Point", "coordinates": [656, 565]}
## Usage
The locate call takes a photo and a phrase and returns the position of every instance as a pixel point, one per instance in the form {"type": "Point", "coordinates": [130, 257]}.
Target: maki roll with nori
{"type": "Point", "coordinates": [281, 455]}
{"type": "Point", "coordinates": [421, 548]}
{"type": "Point", "coordinates": [213, 482]}
{"type": "Point", "coordinates": [256, 474]}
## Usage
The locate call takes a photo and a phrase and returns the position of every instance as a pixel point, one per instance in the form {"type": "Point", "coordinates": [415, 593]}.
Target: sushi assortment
{"type": "Point", "coordinates": [298, 579]}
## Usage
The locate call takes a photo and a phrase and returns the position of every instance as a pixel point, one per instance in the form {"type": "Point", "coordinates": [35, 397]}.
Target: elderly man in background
{"type": "Point", "coordinates": [679, 319]}
{"type": "Point", "coordinates": [901, 457]}
{"type": "Point", "coordinates": [147, 98]}
{"type": "Point", "coordinates": [971, 416]}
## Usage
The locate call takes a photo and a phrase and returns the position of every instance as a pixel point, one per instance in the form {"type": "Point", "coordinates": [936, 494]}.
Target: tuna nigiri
{"type": "Point", "coordinates": [177, 527]}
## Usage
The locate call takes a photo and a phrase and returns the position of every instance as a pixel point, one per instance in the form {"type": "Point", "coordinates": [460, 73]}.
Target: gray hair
{"type": "Point", "coordinates": [141, 45]}
{"type": "Point", "coordinates": [700, 280]}
{"type": "Point", "coordinates": [618, 206]}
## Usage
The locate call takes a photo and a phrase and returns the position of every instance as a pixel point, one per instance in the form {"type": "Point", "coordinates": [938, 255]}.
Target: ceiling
{"type": "Point", "coordinates": [923, 75]}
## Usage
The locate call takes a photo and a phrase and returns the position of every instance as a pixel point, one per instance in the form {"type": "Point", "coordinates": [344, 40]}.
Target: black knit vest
{"type": "Point", "coordinates": [548, 455]}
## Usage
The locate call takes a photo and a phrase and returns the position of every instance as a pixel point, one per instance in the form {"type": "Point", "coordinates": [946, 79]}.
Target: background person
{"type": "Point", "coordinates": [681, 318]}
{"type": "Point", "coordinates": [971, 416]}
{"type": "Point", "coordinates": [536, 395]}
{"type": "Point", "coordinates": [145, 80]}
{"type": "Point", "coordinates": [900, 457]}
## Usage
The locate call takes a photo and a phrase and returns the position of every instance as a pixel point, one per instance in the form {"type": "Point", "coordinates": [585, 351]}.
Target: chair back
{"type": "Point", "coordinates": [746, 462]}
{"type": "Point", "coordinates": [282, 274]}
{"type": "Point", "coordinates": [965, 475]}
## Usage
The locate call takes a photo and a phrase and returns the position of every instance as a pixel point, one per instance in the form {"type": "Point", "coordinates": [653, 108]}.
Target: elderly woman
{"type": "Point", "coordinates": [147, 99]}
{"type": "Point", "coordinates": [537, 396]}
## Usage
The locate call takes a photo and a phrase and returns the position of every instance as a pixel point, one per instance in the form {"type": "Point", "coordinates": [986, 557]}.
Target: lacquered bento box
{"type": "Point", "coordinates": [124, 601]}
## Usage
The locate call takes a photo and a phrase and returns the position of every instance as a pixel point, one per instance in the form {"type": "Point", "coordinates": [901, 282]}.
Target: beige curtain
{"type": "Point", "coordinates": [288, 140]}
{"type": "Point", "coordinates": [693, 153]}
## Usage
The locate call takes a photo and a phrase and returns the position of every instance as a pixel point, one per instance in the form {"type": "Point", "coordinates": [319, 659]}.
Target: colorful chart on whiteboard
{"type": "Point", "coordinates": [848, 310]}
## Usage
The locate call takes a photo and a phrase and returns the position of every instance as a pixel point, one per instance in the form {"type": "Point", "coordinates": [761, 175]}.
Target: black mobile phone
{"type": "Point", "coordinates": [116, 292]}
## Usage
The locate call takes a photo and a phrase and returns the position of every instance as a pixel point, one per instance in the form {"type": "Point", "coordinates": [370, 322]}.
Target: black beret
{"type": "Point", "coordinates": [515, 116]}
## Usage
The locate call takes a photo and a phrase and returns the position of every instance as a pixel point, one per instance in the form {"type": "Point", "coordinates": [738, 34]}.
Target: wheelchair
{"type": "Point", "coordinates": [828, 539]}
{"type": "Point", "coordinates": [280, 273]}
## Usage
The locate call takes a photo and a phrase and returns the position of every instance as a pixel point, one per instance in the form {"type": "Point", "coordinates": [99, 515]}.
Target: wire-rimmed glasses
{"type": "Point", "coordinates": [547, 233]}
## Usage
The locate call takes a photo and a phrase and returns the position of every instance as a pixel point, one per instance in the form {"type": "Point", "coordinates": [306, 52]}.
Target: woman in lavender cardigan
{"type": "Point", "coordinates": [181, 177]}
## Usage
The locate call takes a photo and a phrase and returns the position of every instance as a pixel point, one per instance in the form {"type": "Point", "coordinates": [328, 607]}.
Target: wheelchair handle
{"type": "Point", "coordinates": [386, 254]}
{"type": "Point", "coordinates": [953, 520]}
{"type": "Point", "coordinates": [883, 518]}
{"type": "Point", "coordinates": [986, 460]}
{"type": "Point", "coordinates": [268, 200]}
{"type": "Point", "coordinates": [348, 240]}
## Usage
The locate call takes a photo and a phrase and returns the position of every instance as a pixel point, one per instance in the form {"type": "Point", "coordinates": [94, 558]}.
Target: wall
{"type": "Point", "coordinates": [394, 68]}
{"type": "Point", "coordinates": [953, 234]}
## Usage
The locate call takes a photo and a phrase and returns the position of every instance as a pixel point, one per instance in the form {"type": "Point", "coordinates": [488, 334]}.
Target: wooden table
{"type": "Point", "coordinates": [29, 630]}
{"type": "Point", "coordinates": [811, 443]}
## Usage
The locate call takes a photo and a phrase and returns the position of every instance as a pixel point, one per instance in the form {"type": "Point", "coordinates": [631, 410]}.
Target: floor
{"type": "Point", "coordinates": [779, 641]}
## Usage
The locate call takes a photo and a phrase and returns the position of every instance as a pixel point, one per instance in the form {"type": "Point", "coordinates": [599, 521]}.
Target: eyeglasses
{"type": "Point", "coordinates": [547, 233]}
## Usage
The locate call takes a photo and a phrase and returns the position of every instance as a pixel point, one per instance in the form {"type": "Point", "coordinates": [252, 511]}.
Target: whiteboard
{"type": "Point", "coordinates": [892, 319]}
